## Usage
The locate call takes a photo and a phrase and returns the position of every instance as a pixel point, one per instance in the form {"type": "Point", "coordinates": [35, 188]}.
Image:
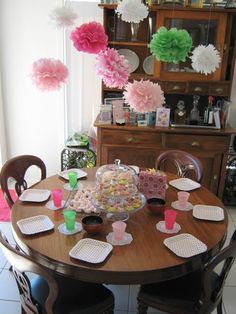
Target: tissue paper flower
{"type": "Point", "coordinates": [205, 59]}
{"type": "Point", "coordinates": [49, 74]}
{"type": "Point", "coordinates": [63, 16]}
{"type": "Point", "coordinates": [89, 37]}
{"type": "Point", "coordinates": [132, 11]}
{"type": "Point", "coordinates": [113, 68]}
{"type": "Point", "coordinates": [144, 96]}
{"type": "Point", "coordinates": [170, 45]}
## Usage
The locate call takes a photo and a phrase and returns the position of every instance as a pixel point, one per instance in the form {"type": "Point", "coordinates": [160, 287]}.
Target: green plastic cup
{"type": "Point", "coordinates": [69, 216]}
{"type": "Point", "coordinates": [73, 179]}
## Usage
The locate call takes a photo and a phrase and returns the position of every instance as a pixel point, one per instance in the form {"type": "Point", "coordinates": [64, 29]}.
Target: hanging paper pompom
{"type": "Point", "coordinates": [205, 59]}
{"type": "Point", "coordinates": [132, 11]}
{"type": "Point", "coordinates": [113, 68]}
{"type": "Point", "coordinates": [49, 74]}
{"type": "Point", "coordinates": [171, 45]}
{"type": "Point", "coordinates": [144, 96]}
{"type": "Point", "coordinates": [63, 16]}
{"type": "Point", "coordinates": [89, 37]}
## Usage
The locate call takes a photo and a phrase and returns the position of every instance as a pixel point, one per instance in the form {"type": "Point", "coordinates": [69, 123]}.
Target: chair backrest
{"type": "Point", "coordinates": [16, 168]}
{"type": "Point", "coordinates": [180, 162]}
{"type": "Point", "coordinates": [212, 290]}
{"type": "Point", "coordinates": [22, 264]}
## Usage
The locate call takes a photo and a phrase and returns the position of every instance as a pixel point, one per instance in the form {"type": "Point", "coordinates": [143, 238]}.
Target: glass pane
{"type": "Point", "coordinates": [202, 32]}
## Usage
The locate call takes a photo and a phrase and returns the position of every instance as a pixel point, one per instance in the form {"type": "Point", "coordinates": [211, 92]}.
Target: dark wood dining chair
{"type": "Point", "coordinates": [199, 292]}
{"type": "Point", "coordinates": [49, 293]}
{"type": "Point", "coordinates": [180, 162]}
{"type": "Point", "coordinates": [16, 168]}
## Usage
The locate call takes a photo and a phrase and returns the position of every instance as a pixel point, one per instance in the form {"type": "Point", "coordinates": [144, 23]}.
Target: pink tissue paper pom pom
{"type": "Point", "coordinates": [113, 68]}
{"type": "Point", "coordinates": [144, 96]}
{"type": "Point", "coordinates": [89, 37]}
{"type": "Point", "coordinates": [49, 74]}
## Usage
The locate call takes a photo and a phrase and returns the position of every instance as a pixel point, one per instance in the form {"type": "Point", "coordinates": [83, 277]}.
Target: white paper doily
{"type": "Point", "coordinates": [69, 188]}
{"type": "Point", "coordinates": [161, 227]}
{"type": "Point", "coordinates": [188, 206]}
{"type": "Point", "coordinates": [126, 240]}
{"type": "Point", "coordinates": [50, 205]}
{"type": "Point", "coordinates": [62, 228]}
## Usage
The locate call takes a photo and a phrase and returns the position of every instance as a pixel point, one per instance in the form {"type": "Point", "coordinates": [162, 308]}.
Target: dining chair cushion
{"type": "Point", "coordinates": [74, 296]}
{"type": "Point", "coordinates": [178, 292]}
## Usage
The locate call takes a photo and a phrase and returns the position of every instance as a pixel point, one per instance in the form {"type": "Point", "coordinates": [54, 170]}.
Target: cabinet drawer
{"type": "Point", "coordinates": [198, 88]}
{"type": "Point", "coordinates": [219, 89]}
{"type": "Point", "coordinates": [132, 138]}
{"type": "Point", "coordinates": [196, 142]}
{"type": "Point", "coordinates": [175, 87]}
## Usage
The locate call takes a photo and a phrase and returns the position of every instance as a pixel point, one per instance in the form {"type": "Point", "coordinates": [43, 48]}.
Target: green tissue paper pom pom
{"type": "Point", "coordinates": [171, 45]}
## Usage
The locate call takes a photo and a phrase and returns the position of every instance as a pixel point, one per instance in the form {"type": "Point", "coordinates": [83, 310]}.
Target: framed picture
{"type": "Point", "coordinates": [231, 4]}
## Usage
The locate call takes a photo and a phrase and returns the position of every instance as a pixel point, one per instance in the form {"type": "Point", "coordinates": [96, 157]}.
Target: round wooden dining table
{"type": "Point", "coordinates": [145, 260]}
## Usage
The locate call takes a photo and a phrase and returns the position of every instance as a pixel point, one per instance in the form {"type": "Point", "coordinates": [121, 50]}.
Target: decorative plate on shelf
{"type": "Point", "coordinates": [148, 65]}
{"type": "Point", "coordinates": [132, 58]}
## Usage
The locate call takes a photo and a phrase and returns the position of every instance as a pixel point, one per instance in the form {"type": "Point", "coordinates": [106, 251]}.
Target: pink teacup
{"type": "Point", "coordinates": [118, 230]}
{"type": "Point", "coordinates": [183, 198]}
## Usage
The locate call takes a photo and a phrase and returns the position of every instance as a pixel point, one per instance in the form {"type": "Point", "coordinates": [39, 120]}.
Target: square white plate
{"type": "Point", "coordinates": [35, 224]}
{"type": "Point", "coordinates": [208, 212]}
{"type": "Point", "coordinates": [35, 195]}
{"type": "Point", "coordinates": [80, 173]}
{"type": "Point", "coordinates": [184, 184]}
{"type": "Point", "coordinates": [185, 245]}
{"type": "Point", "coordinates": [92, 251]}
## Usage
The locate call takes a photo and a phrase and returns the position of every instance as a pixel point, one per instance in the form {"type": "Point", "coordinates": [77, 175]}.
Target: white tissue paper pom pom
{"type": "Point", "coordinates": [205, 59]}
{"type": "Point", "coordinates": [63, 16]}
{"type": "Point", "coordinates": [132, 11]}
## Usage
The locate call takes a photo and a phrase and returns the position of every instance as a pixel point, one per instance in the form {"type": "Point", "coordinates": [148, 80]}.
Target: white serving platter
{"type": "Point", "coordinates": [35, 224]}
{"type": "Point", "coordinates": [184, 184]}
{"type": "Point", "coordinates": [91, 251]}
{"type": "Point", "coordinates": [131, 57]}
{"type": "Point", "coordinates": [35, 195]}
{"type": "Point", "coordinates": [185, 245]}
{"type": "Point", "coordinates": [208, 212]}
{"type": "Point", "coordinates": [65, 174]}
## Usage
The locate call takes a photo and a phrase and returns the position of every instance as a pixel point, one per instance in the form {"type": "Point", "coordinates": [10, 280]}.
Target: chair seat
{"type": "Point", "coordinates": [181, 293]}
{"type": "Point", "coordinates": [74, 296]}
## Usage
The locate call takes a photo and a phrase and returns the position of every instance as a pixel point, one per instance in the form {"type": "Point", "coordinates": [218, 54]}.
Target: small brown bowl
{"type": "Point", "coordinates": [156, 205]}
{"type": "Point", "coordinates": [92, 224]}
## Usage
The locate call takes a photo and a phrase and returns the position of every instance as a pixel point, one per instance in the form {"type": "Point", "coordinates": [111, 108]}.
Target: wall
{"type": "Point", "coordinates": [34, 120]}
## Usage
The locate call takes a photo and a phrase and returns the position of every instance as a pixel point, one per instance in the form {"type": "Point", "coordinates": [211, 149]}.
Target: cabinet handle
{"type": "Point", "coordinates": [219, 90]}
{"type": "Point", "coordinates": [132, 140]}
{"type": "Point", "coordinates": [215, 177]}
{"type": "Point", "coordinates": [198, 89]}
{"type": "Point", "coordinates": [195, 144]}
{"type": "Point", "coordinates": [176, 87]}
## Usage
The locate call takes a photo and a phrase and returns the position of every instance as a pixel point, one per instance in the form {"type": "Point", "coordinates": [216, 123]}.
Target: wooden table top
{"type": "Point", "coordinates": [145, 260]}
